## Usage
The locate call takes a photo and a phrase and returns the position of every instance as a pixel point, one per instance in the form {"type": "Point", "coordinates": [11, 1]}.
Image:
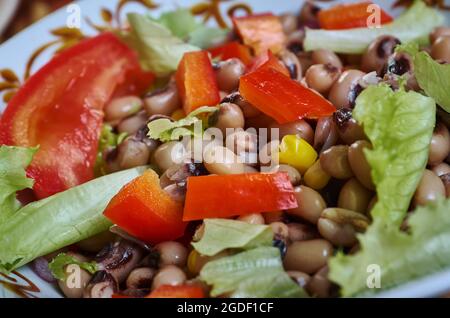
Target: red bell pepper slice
{"type": "Point", "coordinates": [60, 109]}
{"type": "Point", "coordinates": [282, 98]}
{"type": "Point", "coordinates": [196, 81]}
{"type": "Point", "coordinates": [231, 195]}
{"type": "Point", "coordinates": [268, 60]}
{"type": "Point", "coordinates": [146, 211]}
{"type": "Point", "coordinates": [261, 32]}
{"type": "Point", "coordinates": [183, 291]}
{"type": "Point", "coordinates": [349, 16]}
{"type": "Point", "coordinates": [232, 50]}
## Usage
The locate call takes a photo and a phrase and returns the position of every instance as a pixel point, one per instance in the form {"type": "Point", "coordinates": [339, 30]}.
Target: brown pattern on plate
{"type": "Point", "coordinates": [17, 286]}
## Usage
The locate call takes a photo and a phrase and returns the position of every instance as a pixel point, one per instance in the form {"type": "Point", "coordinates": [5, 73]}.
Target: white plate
{"type": "Point", "coordinates": [7, 10]}
{"type": "Point", "coordinates": [15, 53]}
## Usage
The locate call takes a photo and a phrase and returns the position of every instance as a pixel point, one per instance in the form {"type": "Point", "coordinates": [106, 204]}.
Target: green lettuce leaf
{"type": "Point", "coordinates": [167, 130]}
{"type": "Point", "coordinates": [257, 273]}
{"type": "Point", "coordinates": [432, 77]}
{"type": "Point", "coordinates": [414, 24]}
{"type": "Point", "coordinates": [63, 219]}
{"type": "Point", "coordinates": [399, 125]}
{"type": "Point", "coordinates": [58, 264]}
{"type": "Point", "coordinates": [159, 51]}
{"type": "Point", "coordinates": [13, 162]}
{"type": "Point", "coordinates": [222, 234]}
{"type": "Point", "coordinates": [401, 256]}
{"type": "Point", "coordinates": [108, 139]}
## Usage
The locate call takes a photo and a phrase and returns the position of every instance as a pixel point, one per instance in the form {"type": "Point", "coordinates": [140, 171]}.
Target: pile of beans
{"type": "Point", "coordinates": [335, 194]}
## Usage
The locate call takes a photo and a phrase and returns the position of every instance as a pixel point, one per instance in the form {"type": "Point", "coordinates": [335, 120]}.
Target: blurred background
{"type": "Point", "coordinates": [16, 15]}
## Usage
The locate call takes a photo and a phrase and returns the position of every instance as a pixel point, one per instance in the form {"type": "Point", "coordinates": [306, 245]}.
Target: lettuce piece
{"type": "Point", "coordinates": [222, 234]}
{"type": "Point", "coordinates": [414, 24]}
{"type": "Point", "coordinates": [13, 162]}
{"type": "Point", "coordinates": [255, 273]}
{"type": "Point", "coordinates": [65, 218]}
{"type": "Point", "coordinates": [400, 125]}
{"type": "Point", "coordinates": [108, 139]}
{"type": "Point", "coordinates": [58, 264]}
{"type": "Point", "coordinates": [159, 51]}
{"type": "Point", "coordinates": [400, 256]}
{"type": "Point", "coordinates": [167, 130]}
{"type": "Point", "coordinates": [432, 77]}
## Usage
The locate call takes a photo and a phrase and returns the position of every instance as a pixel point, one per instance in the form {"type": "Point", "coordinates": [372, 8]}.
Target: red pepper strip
{"type": "Point", "coordinates": [261, 32]}
{"type": "Point", "coordinates": [196, 81]}
{"type": "Point", "coordinates": [282, 98]}
{"type": "Point", "coordinates": [240, 194]}
{"type": "Point", "coordinates": [349, 16]}
{"type": "Point", "coordinates": [184, 291]}
{"type": "Point", "coordinates": [60, 109]}
{"type": "Point", "coordinates": [146, 211]}
{"type": "Point", "coordinates": [268, 60]}
{"type": "Point", "coordinates": [232, 50]}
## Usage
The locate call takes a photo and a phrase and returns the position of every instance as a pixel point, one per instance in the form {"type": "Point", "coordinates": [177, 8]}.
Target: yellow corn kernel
{"type": "Point", "coordinates": [315, 177]}
{"type": "Point", "coordinates": [297, 152]}
{"type": "Point", "coordinates": [178, 114]}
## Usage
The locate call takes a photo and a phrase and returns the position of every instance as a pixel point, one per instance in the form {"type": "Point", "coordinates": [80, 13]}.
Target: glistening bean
{"type": "Point", "coordinates": [122, 107]}
{"type": "Point", "coordinates": [132, 124]}
{"type": "Point", "coordinates": [321, 77]}
{"type": "Point", "coordinates": [378, 52]}
{"type": "Point", "coordinates": [344, 91]}
{"type": "Point", "coordinates": [307, 256]}
{"type": "Point", "coordinates": [300, 128]}
{"type": "Point", "coordinates": [440, 50]}
{"type": "Point", "coordinates": [169, 154]}
{"type": "Point", "coordinates": [334, 161]}
{"type": "Point", "coordinates": [169, 275]}
{"type": "Point", "coordinates": [172, 253]}
{"type": "Point", "coordinates": [322, 56]}
{"type": "Point", "coordinates": [228, 73]}
{"type": "Point", "coordinates": [354, 196]}
{"type": "Point", "coordinates": [359, 164]}
{"type": "Point", "coordinates": [440, 145]}
{"type": "Point", "coordinates": [430, 189]}
{"type": "Point", "coordinates": [326, 134]}
{"type": "Point", "coordinates": [222, 161]}
{"type": "Point", "coordinates": [229, 116]}
{"type": "Point", "coordinates": [441, 169]}
{"type": "Point", "coordinates": [348, 128]}
{"type": "Point", "coordinates": [310, 204]}
{"type": "Point", "coordinates": [163, 102]}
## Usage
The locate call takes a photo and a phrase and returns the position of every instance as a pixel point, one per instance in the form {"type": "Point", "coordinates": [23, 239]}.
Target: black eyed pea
{"type": "Point", "coordinates": [344, 91]}
{"type": "Point", "coordinates": [315, 177]}
{"type": "Point", "coordinates": [230, 116]}
{"type": "Point", "coordinates": [354, 196]}
{"type": "Point", "coordinates": [430, 189]}
{"type": "Point", "coordinates": [319, 284]}
{"type": "Point", "coordinates": [289, 22]}
{"type": "Point", "coordinates": [228, 74]}
{"type": "Point", "coordinates": [441, 169]}
{"type": "Point", "coordinates": [73, 285]}
{"type": "Point", "coordinates": [348, 128]}
{"type": "Point", "coordinates": [301, 232]}
{"type": "Point", "coordinates": [310, 204]}
{"type": "Point", "coordinates": [307, 256]}
{"type": "Point", "coordinates": [254, 218]}
{"type": "Point", "coordinates": [132, 124]}
{"type": "Point", "coordinates": [323, 56]}
{"type": "Point", "coordinates": [163, 102]}
{"type": "Point", "coordinates": [440, 145]}
{"type": "Point", "coordinates": [294, 176]}
{"type": "Point", "coordinates": [169, 275]}
{"type": "Point", "coordinates": [326, 134]}
{"type": "Point", "coordinates": [292, 63]}
{"type": "Point", "coordinates": [440, 49]}
{"type": "Point", "coordinates": [334, 161]}
{"type": "Point", "coordinates": [438, 32]}
{"type": "Point", "coordinates": [445, 178]}
{"type": "Point", "coordinates": [321, 77]}
{"type": "Point", "coordinates": [300, 128]}
{"type": "Point", "coordinates": [378, 52]}
{"type": "Point", "coordinates": [140, 278]}
{"type": "Point", "coordinates": [122, 107]}
{"type": "Point", "coordinates": [172, 253]}
{"type": "Point", "coordinates": [133, 153]}
{"type": "Point", "coordinates": [359, 164]}
{"type": "Point", "coordinates": [169, 154]}
{"type": "Point", "coordinates": [222, 161]}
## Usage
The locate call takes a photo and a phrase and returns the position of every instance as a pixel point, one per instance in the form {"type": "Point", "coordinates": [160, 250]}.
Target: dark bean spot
{"type": "Point", "coordinates": [281, 245]}
{"type": "Point", "coordinates": [342, 117]}
{"type": "Point", "coordinates": [101, 276]}
{"type": "Point", "coordinates": [197, 169]}
{"type": "Point", "coordinates": [386, 47]}
{"type": "Point", "coordinates": [399, 65]}
{"type": "Point", "coordinates": [295, 47]}
{"type": "Point", "coordinates": [330, 68]}
{"type": "Point", "coordinates": [292, 68]}
{"type": "Point", "coordinates": [354, 93]}
{"type": "Point", "coordinates": [445, 179]}
{"type": "Point", "coordinates": [232, 98]}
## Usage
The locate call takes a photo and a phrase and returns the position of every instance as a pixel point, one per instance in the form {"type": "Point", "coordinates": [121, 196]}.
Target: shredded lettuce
{"type": "Point", "coordinates": [399, 256]}
{"type": "Point", "coordinates": [108, 139]}
{"type": "Point", "coordinates": [159, 51]}
{"type": "Point", "coordinates": [222, 234]}
{"type": "Point", "coordinates": [432, 77]}
{"type": "Point", "coordinates": [13, 162]}
{"type": "Point", "coordinates": [167, 130]}
{"type": "Point", "coordinates": [58, 264]}
{"type": "Point", "coordinates": [415, 24]}
{"type": "Point", "coordinates": [399, 125]}
{"type": "Point", "coordinates": [257, 273]}
{"type": "Point", "coordinates": [45, 226]}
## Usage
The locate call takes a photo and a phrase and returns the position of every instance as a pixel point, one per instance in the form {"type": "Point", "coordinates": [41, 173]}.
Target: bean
{"type": "Point", "coordinates": [399, 63]}
{"type": "Point", "coordinates": [354, 196]}
{"type": "Point", "coordinates": [348, 128]}
{"type": "Point", "coordinates": [321, 77]}
{"type": "Point", "coordinates": [260, 121]}
{"type": "Point", "coordinates": [302, 279]}
{"type": "Point", "coordinates": [294, 176]}
{"type": "Point", "coordinates": [322, 56]}
{"type": "Point", "coordinates": [326, 134]}
{"type": "Point", "coordinates": [169, 275]}
{"type": "Point", "coordinates": [359, 164]}
{"type": "Point", "coordinates": [268, 155]}
{"type": "Point", "coordinates": [440, 49]}
{"type": "Point", "coordinates": [344, 91]}
{"type": "Point", "coordinates": [122, 107]}
{"type": "Point", "coordinates": [289, 22]}
{"type": "Point", "coordinates": [319, 285]}
{"type": "Point", "coordinates": [101, 285]}
{"type": "Point", "coordinates": [248, 109]}
{"type": "Point", "coordinates": [301, 232]}
{"type": "Point", "coordinates": [441, 169]}
{"type": "Point", "coordinates": [222, 161]}
{"type": "Point", "coordinates": [339, 226]}
{"type": "Point", "coordinates": [310, 204]}
{"type": "Point", "coordinates": [438, 32]}
{"type": "Point", "coordinates": [67, 286]}
{"type": "Point", "coordinates": [277, 216]}
{"type": "Point", "coordinates": [446, 181]}
{"type": "Point", "coordinates": [280, 230]}
{"type": "Point", "coordinates": [440, 145]}
{"type": "Point", "coordinates": [229, 116]}
{"type": "Point", "coordinates": [132, 124]}
{"type": "Point", "coordinates": [133, 153]}
{"type": "Point", "coordinates": [307, 256]}
{"type": "Point", "coordinates": [292, 63]}
{"type": "Point", "coordinates": [294, 43]}
{"type": "Point", "coordinates": [163, 102]}
{"type": "Point", "coordinates": [315, 177]}
{"type": "Point", "coordinates": [96, 243]}
{"type": "Point", "coordinates": [228, 74]}
{"type": "Point", "coordinates": [430, 189]}
{"type": "Point", "coordinates": [169, 154]}
{"type": "Point", "coordinates": [172, 253]}
{"type": "Point", "coordinates": [140, 278]}
{"type": "Point", "coordinates": [243, 142]}
{"type": "Point", "coordinates": [378, 52]}
{"type": "Point", "coordinates": [300, 128]}
{"type": "Point", "coordinates": [254, 218]}
{"type": "Point", "coordinates": [308, 14]}
{"type": "Point", "coordinates": [334, 161]}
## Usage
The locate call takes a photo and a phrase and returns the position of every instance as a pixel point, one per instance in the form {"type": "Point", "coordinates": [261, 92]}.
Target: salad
{"type": "Point", "coordinates": [299, 155]}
